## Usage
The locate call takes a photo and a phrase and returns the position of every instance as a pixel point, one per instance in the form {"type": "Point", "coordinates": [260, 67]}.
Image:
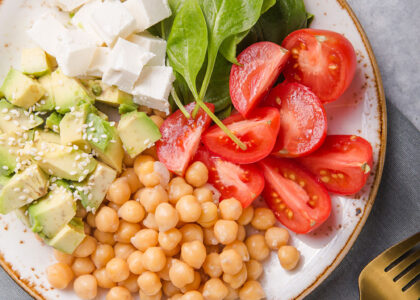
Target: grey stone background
{"type": "Point", "coordinates": [393, 28]}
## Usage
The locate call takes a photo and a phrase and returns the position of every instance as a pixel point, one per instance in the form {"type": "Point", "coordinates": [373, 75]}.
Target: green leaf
{"type": "Point", "coordinates": [99, 131]}
{"type": "Point", "coordinates": [187, 43]}
{"type": "Point", "coordinates": [225, 113]}
{"type": "Point", "coordinates": [229, 46]}
{"type": "Point", "coordinates": [218, 90]}
{"type": "Point", "coordinates": [267, 4]}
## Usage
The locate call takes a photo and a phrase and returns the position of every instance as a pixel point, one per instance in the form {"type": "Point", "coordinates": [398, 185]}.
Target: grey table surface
{"type": "Point", "coordinates": [392, 27]}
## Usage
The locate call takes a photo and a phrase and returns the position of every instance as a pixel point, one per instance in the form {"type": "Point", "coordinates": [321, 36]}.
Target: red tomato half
{"type": "Point", "coordinates": [297, 199]}
{"type": "Point", "coordinates": [303, 120]}
{"type": "Point", "coordinates": [261, 64]}
{"type": "Point", "coordinates": [258, 133]}
{"type": "Point", "coordinates": [243, 182]}
{"type": "Point", "coordinates": [322, 60]}
{"type": "Point", "coordinates": [181, 138]}
{"type": "Point", "coordinates": [343, 163]}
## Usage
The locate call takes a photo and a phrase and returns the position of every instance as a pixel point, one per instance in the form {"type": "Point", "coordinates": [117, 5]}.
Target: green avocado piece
{"type": "Point", "coordinates": [51, 213]}
{"type": "Point", "coordinates": [110, 95]}
{"type": "Point", "coordinates": [14, 119]}
{"type": "Point", "coordinates": [138, 132]}
{"type": "Point", "coordinates": [98, 132]}
{"type": "Point", "coordinates": [12, 154]}
{"type": "Point", "coordinates": [21, 90]}
{"type": "Point", "coordinates": [53, 122]}
{"type": "Point", "coordinates": [22, 214]}
{"type": "Point", "coordinates": [34, 61]}
{"type": "Point", "coordinates": [69, 237]}
{"type": "Point", "coordinates": [72, 127]}
{"type": "Point", "coordinates": [47, 103]}
{"type": "Point", "coordinates": [23, 188]}
{"type": "Point", "coordinates": [4, 180]}
{"type": "Point", "coordinates": [47, 136]}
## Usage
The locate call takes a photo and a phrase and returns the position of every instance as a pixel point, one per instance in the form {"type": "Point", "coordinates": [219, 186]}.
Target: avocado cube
{"type": "Point", "coordinates": [4, 180]}
{"type": "Point", "coordinates": [11, 153]}
{"type": "Point", "coordinates": [46, 136]}
{"type": "Point", "coordinates": [51, 213]}
{"type": "Point", "coordinates": [47, 103]}
{"type": "Point", "coordinates": [138, 132]}
{"type": "Point", "coordinates": [69, 237]}
{"type": "Point", "coordinates": [14, 119]}
{"type": "Point", "coordinates": [22, 214]}
{"type": "Point", "coordinates": [21, 90]}
{"type": "Point", "coordinates": [71, 127]}
{"type": "Point", "coordinates": [34, 61]}
{"type": "Point", "coordinates": [53, 122]}
{"type": "Point", "coordinates": [23, 188]}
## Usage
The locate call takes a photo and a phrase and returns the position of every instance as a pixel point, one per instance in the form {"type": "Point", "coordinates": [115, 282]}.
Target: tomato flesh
{"type": "Point", "coordinates": [297, 199]}
{"type": "Point", "coordinates": [258, 133]}
{"type": "Point", "coordinates": [181, 138]}
{"type": "Point", "coordinates": [243, 182]}
{"type": "Point", "coordinates": [324, 61]}
{"type": "Point", "coordinates": [260, 65]}
{"type": "Point", "coordinates": [343, 163]}
{"type": "Point", "coordinates": [303, 120]}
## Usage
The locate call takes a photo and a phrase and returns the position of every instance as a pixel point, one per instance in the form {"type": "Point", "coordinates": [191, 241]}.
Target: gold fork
{"type": "Point", "coordinates": [394, 274]}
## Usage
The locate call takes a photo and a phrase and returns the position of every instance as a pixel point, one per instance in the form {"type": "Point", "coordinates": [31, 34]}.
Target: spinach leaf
{"type": "Point", "coordinates": [225, 113]}
{"type": "Point", "coordinates": [163, 28]}
{"type": "Point", "coordinates": [267, 4]}
{"type": "Point", "coordinates": [187, 43]}
{"type": "Point", "coordinates": [218, 90]}
{"type": "Point", "coordinates": [228, 47]}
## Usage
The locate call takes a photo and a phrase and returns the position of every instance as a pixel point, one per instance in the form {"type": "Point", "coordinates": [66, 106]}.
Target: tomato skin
{"type": "Point", "coordinates": [261, 64]}
{"type": "Point", "coordinates": [303, 120]}
{"type": "Point", "coordinates": [297, 199]}
{"type": "Point", "coordinates": [181, 138]}
{"type": "Point", "coordinates": [243, 182]}
{"type": "Point", "coordinates": [258, 132]}
{"type": "Point", "coordinates": [343, 163]}
{"type": "Point", "coordinates": [324, 61]}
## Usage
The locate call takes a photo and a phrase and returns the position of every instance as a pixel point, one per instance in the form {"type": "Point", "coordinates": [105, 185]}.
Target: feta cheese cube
{"type": "Point", "coordinates": [99, 62]}
{"type": "Point", "coordinates": [153, 87]}
{"type": "Point", "coordinates": [83, 20]}
{"type": "Point", "coordinates": [148, 12]}
{"type": "Point", "coordinates": [70, 5]}
{"type": "Point", "coordinates": [125, 64]}
{"type": "Point", "coordinates": [152, 44]}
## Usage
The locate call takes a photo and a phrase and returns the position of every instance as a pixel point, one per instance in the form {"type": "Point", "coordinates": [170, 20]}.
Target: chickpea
{"type": "Point", "coordinates": [172, 252]}
{"type": "Point", "coordinates": [59, 275]}
{"type": "Point", "coordinates": [237, 280]}
{"type": "Point", "coordinates": [230, 209]}
{"type": "Point", "coordinates": [197, 174]}
{"type": "Point", "coordinates": [130, 283]}
{"type": "Point", "coordinates": [81, 211]}
{"type": "Point", "coordinates": [275, 237]}
{"type": "Point", "coordinates": [82, 266]}
{"type": "Point", "coordinates": [192, 295]}
{"type": "Point", "coordinates": [241, 233]}
{"type": "Point", "coordinates": [212, 266]}
{"type": "Point", "coordinates": [164, 273]}
{"type": "Point", "coordinates": [247, 215]}
{"type": "Point", "coordinates": [119, 192]}
{"type": "Point", "coordinates": [208, 215]}
{"type": "Point", "coordinates": [169, 289]}
{"type": "Point", "coordinates": [150, 222]}
{"type": "Point", "coordinates": [119, 293]}
{"type": "Point", "coordinates": [152, 151]}
{"type": "Point", "coordinates": [104, 237]}
{"type": "Point", "coordinates": [233, 294]}
{"type": "Point", "coordinates": [231, 261]}
{"type": "Point", "coordinates": [63, 257]}
{"type": "Point", "coordinates": [214, 248]}
{"type": "Point", "coordinates": [254, 269]}
{"type": "Point", "coordinates": [117, 269]}
{"type": "Point", "coordinates": [176, 297]}
{"type": "Point", "coordinates": [203, 194]}
{"type": "Point", "coordinates": [226, 231]}
{"type": "Point", "coordinates": [215, 289]}
{"type": "Point", "coordinates": [166, 216]}
{"type": "Point", "coordinates": [157, 296]}
{"type": "Point", "coordinates": [263, 218]}
{"type": "Point", "coordinates": [189, 209]}
{"type": "Point", "coordinates": [157, 120]}
{"type": "Point", "coordinates": [193, 285]}
{"type": "Point", "coordinates": [149, 283]}
{"type": "Point", "coordinates": [87, 229]}
{"type": "Point", "coordinates": [126, 231]}
{"type": "Point", "coordinates": [90, 219]}
{"type": "Point", "coordinates": [128, 160]}
{"type": "Point", "coordinates": [135, 262]}
{"type": "Point", "coordinates": [168, 240]}
{"type": "Point", "coordinates": [191, 232]}
{"type": "Point", "coordinates": [154, 259]}
{"type": "Point", "coordinates": [239, 247]}
{"type": "Point", "coordinates": [177, 189]}
{"type": "Point", "coordinates": [103, 279]}
{"type": "Point", "coordinates": [132, 211]}
{"type": "Point", "coordinates": [145, 239]}
{"type": "Point", "coordinates": [148, 176]}
{"type": "Point", "coordinates": [150, 198]}
{"type": "Point", "coordinates": [114, 206]}
{"type": "Point", "coordinates": [193, 253]}
{"type": "Point", "coordinates": [140, 160]}
{"type": "Point", "coordinates": [256, 247]}
{"type": "Point", "coordinates": [123, 250]}
{"type": "Point", "coordinates": [210, 238]}
{"type": "Point", "coordinates": [132, 179]}
{"type": "Point", "coordinates": [289, 257]}
{"type": "Point", "coordinates": [251, 290]}
{"type": "Point", "coordinates": [180, 273]}
{"type": "Point", "coordinates": [107, 220]}
{"type": "Point", "coordinates": [102, 255]}
{"type": "Point", "coordinates": [86, 287]}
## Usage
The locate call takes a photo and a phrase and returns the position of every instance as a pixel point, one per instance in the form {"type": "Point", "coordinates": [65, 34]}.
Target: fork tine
{"type": "Point", "coordinates": [396, 251]}
{"type": "Point", "coordinates": [413, 292]}
{"type": "Point", "coordinates": [397, 269]}
{"type": "Point", "coordinates": [409, 276]}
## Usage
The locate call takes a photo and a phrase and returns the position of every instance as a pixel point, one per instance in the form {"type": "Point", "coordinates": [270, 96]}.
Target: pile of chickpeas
{"type": "Point", "coordinates": [171, 240]}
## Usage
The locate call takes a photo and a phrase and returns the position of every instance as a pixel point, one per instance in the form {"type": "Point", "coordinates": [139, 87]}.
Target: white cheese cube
{"type": "Point", "coordinates": [152, 44]}
{"type": "Point", "coordinates": [83, 20]}
{"type": "Point", "coordinates": [148, 12]}
{"type": "Point", "coordinates": [99, 62]}
{"type": "Point", "coordinates": [125, 64]}
{"type": "Point", "coordinates": [153, 87]}
{"type": "Point", "coordinates": [70, 5]}
{"type": "Point", "coordinates": [112, 20]}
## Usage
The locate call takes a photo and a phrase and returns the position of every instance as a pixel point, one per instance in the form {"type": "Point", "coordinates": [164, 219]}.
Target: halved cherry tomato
{"type": "Point", "coordinates": [343, 163]}
{"type": "Point", "coordinates": [181, 138]}
{"type": "Point", "coordinates": [303, 120]}
{"type": "Point", "coordinates": [261, 64]}
{"type": "Point", "coordinates": [297, 199]}
{"type": "Point", "coordinates": [258, 133]}
{"type": "Point", "coordinates": [322, 60]}
{"type": "Point", "coordinates": [243, 182]}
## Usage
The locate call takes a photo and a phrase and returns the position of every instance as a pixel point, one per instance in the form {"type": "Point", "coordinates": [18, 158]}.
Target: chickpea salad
{"type": "Point", "coordinates": [136, 136]}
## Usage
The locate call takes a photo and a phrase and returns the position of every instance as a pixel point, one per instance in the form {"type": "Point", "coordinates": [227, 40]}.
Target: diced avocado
{"type": "Point", "coordinates": [22, 214]}
{"type": "Point", "coordinates": [23, 188]}
{"type": "Point", "coordinates": [68, 92]}
{"type": "Point", "coordinates": [138, 132]}
{"type": "Point", "coordinates": [46, 136]}
{"type": "Point", "coordinates": [110, 95]}
{"type": "Point", "coordinates": [21, 90]}
{"type": "Point", "coordinates": [47, 103]}
{"type": "Point", "coordinates": [4, 180]}
{"type": "Point", "coordinates": [127, 108]}
{"type": "Point", "coordinates": [51, 213]}
{"type": "Point", "coordinates": [114, 152]}
{"type": "Point", "coordinates": [98, 132]}
{"type": "Point", "coordinates": [64, 183]}
{"type": "Point", "coordinates": [53, 122]}
{"type": "Point", "coordinates": [72, 127]}
{"type": "Point", "coordinates": [11, 151]}
{"type": "Point", "coordinates": [69, 237]}
{"type": "Point", "coordinates": [63, 161]}
{"type": "Point", "coordinates": [14, 119]}
{"type": "Point", "coordinates": [34, 61]}
{"type": "Point", "coordinates": [94, 188]}
{"type": "Point", "coordinates": [102, 115]}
